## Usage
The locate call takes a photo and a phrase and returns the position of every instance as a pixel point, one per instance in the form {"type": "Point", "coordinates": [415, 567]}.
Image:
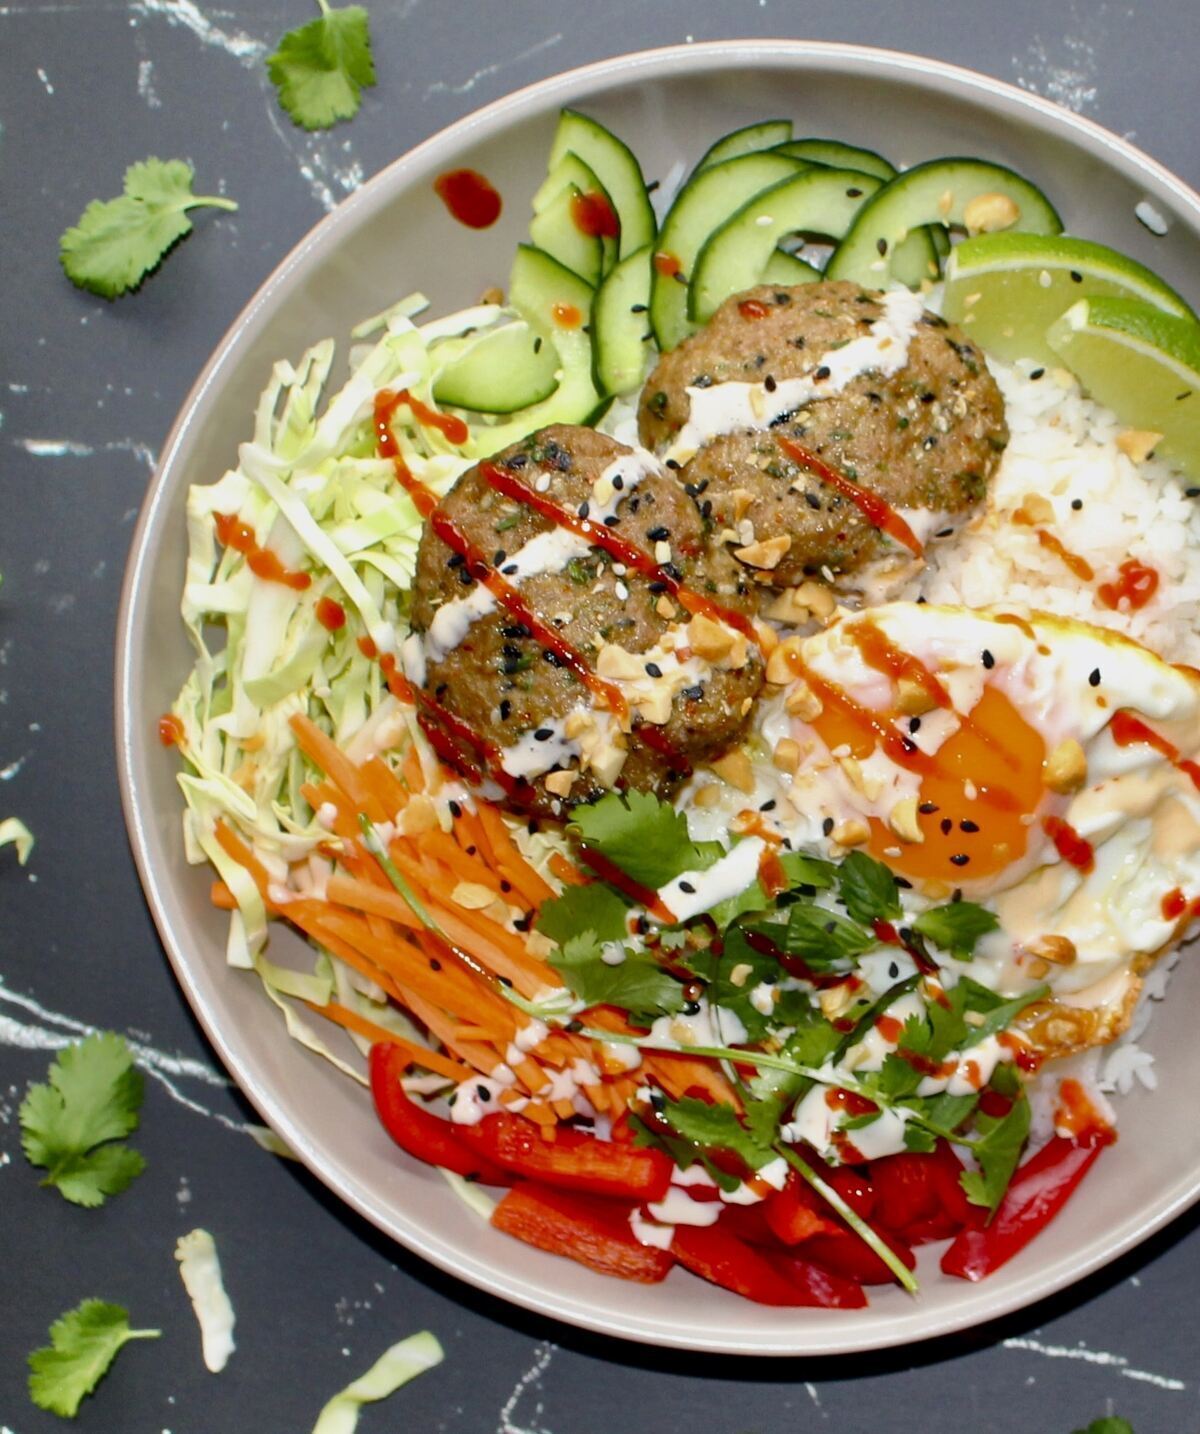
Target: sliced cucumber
{"type": "Point", "coordinates": [556, 302]}
{"type": "Point", "coordinates": [704, 203]}
{"type": "Point", "coordinates": [571, 170]}
{"type": "Point", "coordinates": [735, 255]}
{"type": "Point", "coordinates": [621, 325]}
{"type": "Point", "coordinates": [618, 171]}
{"type": "Point", "coordinates": [499, 371]}
{"type": "Point", "coordinates": [767, 134]}
{"type": "Point", "coordinates": [555, 232]}
{"type": "Point", "coordinates": [785, 268]}
{"type": "Point", "coordinates": [836, 155]}
{"type": "Point", "coordinates": [936, 192]}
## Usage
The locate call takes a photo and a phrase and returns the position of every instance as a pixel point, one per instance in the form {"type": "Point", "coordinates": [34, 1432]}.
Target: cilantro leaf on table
{"type": "Point", "coordinates": [83, 1343]}
{"type": "Point", "coordinates": [595, 907]}
{"type": "Point", "coordinates": [68, 1126]}
{"type": "Point", "coordinates": [956, 927]}
{"type": "Point", "coordinates": [117, 242]}
{"type": "Point", "coordinates": [321, 69]}
{"type": "Point", "coordinates": [1111, 1425]}
{"type": "Point", "coordinates": [647, 838]}
{"type": "Point", "coordinates": [638, 984]}
{"type": "Point", "coordinates": [868, 889]}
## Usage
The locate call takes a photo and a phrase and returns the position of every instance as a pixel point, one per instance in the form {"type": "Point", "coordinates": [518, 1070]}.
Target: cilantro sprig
{"type": "Point", "coordinates": [83, 1344]}
{"type": "Point", "coordinates": [321, 69]}
{"type": "Point", "coordinates": [643, 836]}
{"type": "Point", "coordinates": [70, 1125]}
{"type": "Point", "coordinates": [117, 242]}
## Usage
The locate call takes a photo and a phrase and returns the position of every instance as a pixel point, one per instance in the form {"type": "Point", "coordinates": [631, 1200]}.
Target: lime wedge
{"type": "Point", "coordinates": [1142, 363]}
{"type": "Point", "coordinates": [1007, 289]}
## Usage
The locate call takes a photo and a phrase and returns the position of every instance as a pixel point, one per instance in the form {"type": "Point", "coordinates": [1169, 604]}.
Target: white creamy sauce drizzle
{"type": "Point", "coordinates": [539, 750]}
{"type": "Point", "coordinates": [733, 407]}
{"type": "Point", "coordinates": [695, 891]}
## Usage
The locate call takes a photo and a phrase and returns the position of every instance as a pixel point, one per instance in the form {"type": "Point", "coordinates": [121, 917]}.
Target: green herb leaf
{"type": "Point", "coordinates": [868, 889]}
{"type": "Point", "coordinates": [718, 1127]}
{"type": "Point", "coordinates": [1111, 1425]}
{"type": "Point", "coordinates": [647, 838]}
{"type": "Point", "coordinates": [117, 242]}
{"type": "Point", "coordinates": [751, 968]}
{"type": "Point", "coordinates": [83, 1343]}
{"type": "Point", "coordinates": [595, 907]}
{"type": "Point", "coordinates": [322, 68]}
{"type": "Point", "coordinates": [93, 1097]}
{"type": "Point", "coordinates": [638, 984]}
{"type": "Point", "coordinates": [997, 1146]}
{"type": "Point", "coordinates": [823, 939]}
{"type": "Point", "coordinates": [956, 927]}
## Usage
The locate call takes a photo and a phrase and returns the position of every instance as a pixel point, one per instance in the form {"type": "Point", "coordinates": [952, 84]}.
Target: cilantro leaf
{"type": "Point", "coordinates": [83, 1343]}
{"type": "Point", "coordinates": [734, 976]}
{"type": "Point", "coordinates": [821, 938]}
{"type": "Point", "coordinates": [997, 1146]}
{"type": "Point", "coordinates": [718, 1127]}
{"type": "Point", "coordinates": [997, 1013]}
{"type": "Point", "coordinates": [868, 889]}
{"type": "Point", "coordinates": [956, 927]}
{"type": "Point", "coordinates": [681, 1151]}
{"type": "Point", "coordinates": [1111, 1425]}
{"type": "Point", "coordinates": [809, 873]}
{"type": "Point", "coordinates": [92, 1099]}
{"type": "Point", "coordinates": [594, 907]}
{"type": "Point", "coordinates": [638, 984]}
{"type": "Point", "coordinates": [117, 242]}
{"type": "Point", "coordinates": [647, 838]}
{"type": "Point", "coordinates": [321, 69]}
{"type": "Point", "coordinates": [804, 870]}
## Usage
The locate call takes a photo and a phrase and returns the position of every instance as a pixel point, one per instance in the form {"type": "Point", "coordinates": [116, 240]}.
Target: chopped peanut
{"type": "Point", "coordinates": [1065, 769]}
{"type": "Point", "coordinates": [1059, 950]}
{"type": "Point", "coordinates": [708, 796]}
{"type": "Point", "coordinates": [560, 783]}
{"type": "Point", "coordinates": [803, 702]}
{"type": "Point", "coordinates": [1137, 444]}
{"type": "Point", "coordinates": [1036, 509]}
{"type": "Point", "coordinates": [765, 552]}
{"type": "Point", "coordinates": [903, 820]}
{"type": "Point", "coordinates": [710, 640]}
{"type": "Point", "coordinates": [851, 833]}
{"type": "Point", "coordinates": [779, 667]}
{"type": "Point", "coordinates": [615, 662]}
{"type": "Point", "coordinates": [988, 212]}
{"type": "Point", "coordinates": [664, 607]}
{"type": "Point", "coordinates": [787, 756]}
{"type": "Point", "coordinates": [473, 895]}
{"type": "Point", "coordinates": [737, 977]}
{"type": "Point", "coordinates": [912, 698]}
{"type": "Point", "coordinates": [419, 816]}
{"type": "Point", "coordinates": [741, 498]}
{"type": "Point", "coordinates": [734, 767]}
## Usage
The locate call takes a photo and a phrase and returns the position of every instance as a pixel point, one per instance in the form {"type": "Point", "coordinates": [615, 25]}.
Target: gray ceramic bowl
{"type": "Point", "coordinates": [394, 236]}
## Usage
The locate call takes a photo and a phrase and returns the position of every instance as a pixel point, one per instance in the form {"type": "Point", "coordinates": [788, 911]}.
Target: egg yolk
{"type": "Point", "coordinates": [977, 791]}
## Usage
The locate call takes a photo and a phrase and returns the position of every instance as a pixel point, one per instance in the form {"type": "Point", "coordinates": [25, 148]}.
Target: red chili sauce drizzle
{"type": "Point", "coordinates": [1082, 569]}
{"type": "Point", "coordinates": [262, 562]}
{"type": "Point", "coordinates": [753, 309]}
{"type": "Point", "coordinates": [386, 404]}
{"type": "Point", "coordinates": [1127, 729]}
{"type": "Point", "coordinates": [1174, 904]}
{"type": "Point", "coordinates": [170, 730]}
{"type": "Point", "coordinates": [667, 264]}
{"type": "Point", "coordinates": [470, 198]}
{"type": "Point", "coordinates": [850, 1101]}
{"type": "Point", "coordinates": [1074, 849]}
{"type": "Point", "coordinates": [600, 536]}
{"type": "Point", "coordinates": [876, 510]}
{"type": "Point", "coordinates": [594, 216]}
{"type": "Point", "coordinates": [567, 316]}
{"type": "Point", "coordinates": [1137, 584]}
{"type": "Point", "coordinates": [331, 614]}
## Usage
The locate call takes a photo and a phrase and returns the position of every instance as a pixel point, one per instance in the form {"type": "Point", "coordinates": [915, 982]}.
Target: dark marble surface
{"type": "Point", "coordinates": [87, 393]}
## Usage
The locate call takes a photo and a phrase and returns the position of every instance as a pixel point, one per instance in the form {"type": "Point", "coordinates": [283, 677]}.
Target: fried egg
{"type": "Point", "coordinates": [1036, 764]}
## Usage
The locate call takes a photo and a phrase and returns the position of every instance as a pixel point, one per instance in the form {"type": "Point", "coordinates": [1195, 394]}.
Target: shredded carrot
{"type": "Point", "coordinates": [384, 785]}
{"type": "Point", "coordinates": [411, 770]}
{"type": "Point", "coordinates": [509, 856]}
{"type": "Point", "coordinates": [566, 871]}
{"type": "Point", "coordinates": [221, 897]}
{"type": "Point", "coordinates": [234, 847]}
{"type": "Point", "coordinates": [369, 1030]}
{"type": "Point", "coordinates": [324, 753]}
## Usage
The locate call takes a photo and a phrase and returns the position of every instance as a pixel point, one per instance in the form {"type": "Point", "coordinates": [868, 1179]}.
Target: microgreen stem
{"type": "Point", "coordinates": [852, 1218]}
{"type": "Point", "coordinates": [213, 201]}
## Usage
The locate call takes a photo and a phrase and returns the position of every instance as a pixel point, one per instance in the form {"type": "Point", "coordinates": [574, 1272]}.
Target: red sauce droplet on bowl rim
{"type": "Point", "coordinates": [469, 197]}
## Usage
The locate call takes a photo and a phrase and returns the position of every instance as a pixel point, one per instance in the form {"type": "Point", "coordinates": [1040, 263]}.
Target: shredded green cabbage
{"type": "Point", "coordinates": [394, 1369]}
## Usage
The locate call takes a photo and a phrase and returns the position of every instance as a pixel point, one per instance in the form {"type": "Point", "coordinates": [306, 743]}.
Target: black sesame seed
{"type": "Point", "coordinates": [505, 886]}
{"type": "Point", "coordinates": [944, 533]}
{"type": "Point", "coordinates": [455, 810]}
{"type": "Point", "coordinates": [769, 384]}
{"type": "Point", "coordinates": [657, 587]}
{"type": "Point", "coordinates": [947, 826]}
{"type": "Point", "coordinates": [1076, 277]}
{"type": "Point", "coordinates": [903, 883]}
{"type": "Point", "coordinates": [687, 887]}
{"type": "Point", "coordinates": [967, 825]}
{"type": "Point", "coordinates": [928, 397]}
{"type": "Point", "coordinates": [960, 858]}
{"type": "Point", "coordinates": [653, 670]}
{"type": "Point", "coordinates": [881, 246]}
{"type": "Point", "coordinates": [914, 724]}
{"type": "Point", "coordinates": [823, 372]}
{"type": "Point", "coordinates": [813, 501]}
{"type": "Point", "coordinates": [893, 970]}
{"type": "Point", "coordinates": [611, 521]}
{"type": "Point", "coordinates": [482, 1092]}
{"type": "Point", "coordinates": [637, 308]}
{"type": "Point", "coordinates": [1038, 373]}
{"type": "Point", "coordinates": [827, 825]}
{"type": "Point", "coordinates": [509, 570]}
{"type": "Point", "coordinates": [853, 193]}
{"type": "Point", "coordinates": [574, 1026]}
{"type": "Point", "coordinates": [543, 734]}
{"type": "Point", "coordinates": [465, 578]}
{"type": "Point", "coordinates": [552, 657]}
{"type": "Point", "coordinates": [988, 660]}
{"type": "Point", "coordinates": [659, 534]}
{"type": "Point", "coordinates": [505, 709]}
{"type": "Point", "coordinates": [694, 694]}
{"type": "Point", "coordinates": [498, 557]}
{"type": "Point", "coordinates": [927, 809]}
{"type": "Point", "coordinates": [1077, 503]}
{"type": "Point", "coordinates": [434, 964]}
{"type": "Point", "coordinates": [584, 509]}
{"type": "Point", "coordinates": [768, 805]}
{"type": "Point", "coordinates": [618, 482]}
{"type": "Point", "coordinates": [455, 560]}
{"type": "Point", "coordinates": [1094, 677]}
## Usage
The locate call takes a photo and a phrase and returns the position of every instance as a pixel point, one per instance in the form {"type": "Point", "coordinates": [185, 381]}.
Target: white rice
{"type": "Point", "coordinates": [1063, 448]}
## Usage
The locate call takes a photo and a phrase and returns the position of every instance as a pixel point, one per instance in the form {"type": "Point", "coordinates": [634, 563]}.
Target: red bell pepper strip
{"type": "Point", "coordinates": [426, 1136]}
{"type": "Point", "coordinates": [572, 1161]}
{"type": "Point", "coordinates": [821, 1288]}
{"type": "Point", "coordinates": [586, 1229]}
{"type": "Point", "coordinates": [844, 1253]}
{"type": "Point", "coordinates": [714, 1254]}
{"type": "Point", "coordinates": [907, 1190]}
{"type": "Point", "coordinates": [1039, 1190]}
{"type": "Point", "coordinates": [794, 1214]}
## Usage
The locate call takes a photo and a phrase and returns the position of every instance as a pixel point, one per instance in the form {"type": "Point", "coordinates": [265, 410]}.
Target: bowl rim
{"type": "Point", "coordinates": [133, 747]}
